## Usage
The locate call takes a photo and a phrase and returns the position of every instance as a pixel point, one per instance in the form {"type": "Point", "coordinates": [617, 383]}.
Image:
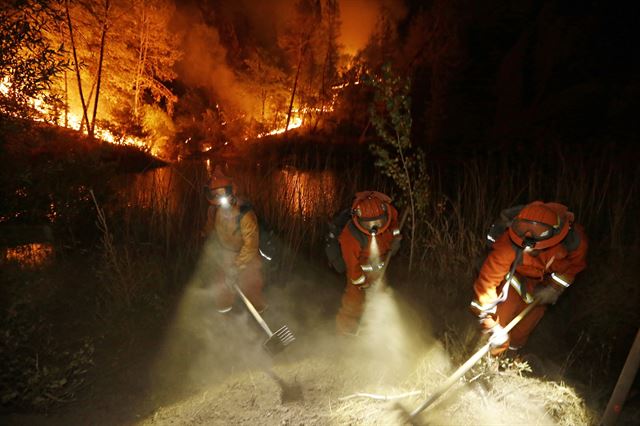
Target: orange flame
{"type": "Point", "coordinates": [74, 121]}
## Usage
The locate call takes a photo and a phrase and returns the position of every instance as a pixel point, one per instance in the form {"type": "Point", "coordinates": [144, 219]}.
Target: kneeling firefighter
{"type": "Point", "coordinates": [537, 254]}
{"type": "Point", "coordinates": [370, 234]}
{"type": "Point", "coordinates": [233, 245]}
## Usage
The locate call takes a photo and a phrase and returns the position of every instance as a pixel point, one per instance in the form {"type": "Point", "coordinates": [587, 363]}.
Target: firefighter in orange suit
{"type": "Point", "coordinates": [364, 242]}
{"type": "Point", "coordinates": [232, 245]}
{"type": "Point", "coordinates": [544, 250]}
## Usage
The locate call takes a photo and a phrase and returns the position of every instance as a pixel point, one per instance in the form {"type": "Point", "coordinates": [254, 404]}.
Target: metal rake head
{"type": "Point", "coordinates": [282, 338]}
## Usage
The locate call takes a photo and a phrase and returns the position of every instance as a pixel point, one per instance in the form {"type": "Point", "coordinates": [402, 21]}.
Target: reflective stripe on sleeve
{"type": "Point", "coordinates": [396, 232]}
{"type": "Point", "coordinates": [560, 280]}
{"type": "Point", "coordinates": [484, 310]}
{"type": "Point", "coordinates": [359, 281]}
{"type": "Point", "coordinates": [517, 285]}
{"type": "Point", "coordinates": [367, 268]}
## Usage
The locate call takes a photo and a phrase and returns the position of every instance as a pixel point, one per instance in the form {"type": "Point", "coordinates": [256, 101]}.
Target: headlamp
{"type": "Point", "coordinates": [373, 225]}
{"type": "Point", "coordinates": [220, 195]}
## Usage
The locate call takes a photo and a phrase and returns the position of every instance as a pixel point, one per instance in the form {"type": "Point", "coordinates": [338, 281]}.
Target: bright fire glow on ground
{"type": "Point", "coordinates": [74, 120]}
{"type": "Point", "coordinates": [294, 124]}
{"type": "Point", "coordinates": [29, 255]}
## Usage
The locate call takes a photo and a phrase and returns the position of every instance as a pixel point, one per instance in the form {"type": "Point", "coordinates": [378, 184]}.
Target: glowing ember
{"type": "Point", "coordinates": [29, 255]}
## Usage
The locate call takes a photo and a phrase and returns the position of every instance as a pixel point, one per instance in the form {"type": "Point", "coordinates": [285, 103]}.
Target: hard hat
{"type": "Point", "coordinates": [540, 225]}
{"type": "Point", "coordinates": [219, 180]}
{"type": "Point", "coordinates": [219, 186]}
{"type": "Point", "coordinates": [370, 211]}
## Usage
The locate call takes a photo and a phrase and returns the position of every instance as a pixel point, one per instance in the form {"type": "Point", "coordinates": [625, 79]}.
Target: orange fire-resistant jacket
{"type": "Point", "coordinates": [234, 233]}
{"type": "Point", "coordinates": [556, 262]}
{"type": "Point", "coordinates": [360, 265]}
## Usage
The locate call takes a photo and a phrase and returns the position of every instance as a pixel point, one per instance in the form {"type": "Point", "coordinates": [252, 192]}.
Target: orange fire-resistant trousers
{"type": "Point", "coordinates": [250, 282]}
{"type": "Point", "coordinates": [508, 310]}
{"type": "Point", "coordinates": [348, 317]}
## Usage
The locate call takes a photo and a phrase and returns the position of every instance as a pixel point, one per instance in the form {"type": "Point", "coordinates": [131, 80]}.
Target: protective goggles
{"type": "Point", "coordinates": [373, 224]}
{"type": "Point", "coordinates": [217, 193]}
{"type": "Point", "coordinates": [536, 231]}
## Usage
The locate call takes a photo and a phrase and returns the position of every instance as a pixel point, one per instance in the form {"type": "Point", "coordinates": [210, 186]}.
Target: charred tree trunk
{"type": "Point", "coordinates": [66, 99]}
{"type": "Point", "coordinates": [77, 68]}
{"type": "Point", "coordinates": [142, 58]}
{"type": "Point", "coordinates": [293, 91]}
{"type": "Point", "coordinates": [89, 97]}
{"type": "Point", "coordinates": [322, 89]}
{"type": "Point", "coordinates": [99, 77]}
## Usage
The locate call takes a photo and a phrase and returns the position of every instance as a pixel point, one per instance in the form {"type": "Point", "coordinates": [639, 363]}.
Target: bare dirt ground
{"type": "Point", "coordinates": [210, 369]}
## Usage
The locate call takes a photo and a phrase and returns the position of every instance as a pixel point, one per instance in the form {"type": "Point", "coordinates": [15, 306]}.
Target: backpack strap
{"type": "Point", "coordinates": [359, 236]}
{"type": "Point", "coordinates": [245, 208]}
{"type": "Point", "coordinates": [572, 241]}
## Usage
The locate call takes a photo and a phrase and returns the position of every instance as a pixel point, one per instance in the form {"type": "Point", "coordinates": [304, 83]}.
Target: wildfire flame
{"type": "Point", "coordinates": [74, 121]}
{"type": "Point", "coordinates": [296, 121]}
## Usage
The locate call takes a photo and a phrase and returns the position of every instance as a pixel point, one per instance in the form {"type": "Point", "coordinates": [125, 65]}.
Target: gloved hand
{"type": "Point", "coordinates": [547, 294]}
{"type": "Point", "coordinates": [498, 336]}
{"type": "Point", "coordinates": [487, 323]}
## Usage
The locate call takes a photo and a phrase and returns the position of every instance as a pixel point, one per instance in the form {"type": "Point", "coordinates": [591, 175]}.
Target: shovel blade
{"type": "Point", "coordinates": [282, 338]}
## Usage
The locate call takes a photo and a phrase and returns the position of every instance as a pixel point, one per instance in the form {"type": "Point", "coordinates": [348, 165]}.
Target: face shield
{"type": "Point", "coordinates": [532, 230]}
{"type": "Point", "coordinates": [373, 225]}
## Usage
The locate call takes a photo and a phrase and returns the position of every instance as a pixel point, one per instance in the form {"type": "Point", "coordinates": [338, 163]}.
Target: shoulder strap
{"type": "Point", "coordinates": [572, 241]}
{"type": "Point", "coordinates": [359, 236]}
{"type": "Point", "coordinates": [245, 208]}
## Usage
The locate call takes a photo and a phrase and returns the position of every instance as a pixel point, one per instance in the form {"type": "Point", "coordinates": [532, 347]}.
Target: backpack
{"type": "Point", "coordinates": [331, 244]}
{"type": "Point", "coordinates": [500, 226]}
{"type": "Point", "coordinates": [268, 246]}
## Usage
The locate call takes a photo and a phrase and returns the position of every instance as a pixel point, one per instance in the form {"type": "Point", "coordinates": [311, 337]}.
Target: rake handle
{"type": "Point", "coordinates": [253, 311]}
{"type": "Point", "coordinates": [470, 363]}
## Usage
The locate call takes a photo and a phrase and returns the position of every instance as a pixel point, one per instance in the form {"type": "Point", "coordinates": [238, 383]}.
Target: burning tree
{"type": "Point", "coordinates": [29, 59]}
{"type": "Point", "coordinates": [130, 41]}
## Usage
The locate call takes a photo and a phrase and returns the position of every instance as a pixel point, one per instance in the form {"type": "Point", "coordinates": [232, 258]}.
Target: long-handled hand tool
{"type": "Point", "coordinates": [465, 367]}
{"type": "Point", "coordinates": [276, 342]}
{"type": "Point", "coordinates": [625, 381]}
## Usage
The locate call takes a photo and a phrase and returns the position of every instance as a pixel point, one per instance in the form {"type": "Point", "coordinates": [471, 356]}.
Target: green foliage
{"type": "Point", "coordinates": [396, 157]}
{"type": "Point", "coordinates": [28, 60]}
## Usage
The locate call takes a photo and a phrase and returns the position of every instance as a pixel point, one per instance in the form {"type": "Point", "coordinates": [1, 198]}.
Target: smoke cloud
{"type": "Point", "coordinates": [257, 22]}
{"type": "Point", "coordinates": [359, 18]}
{"type": "Point", "coordinates": [204, 63]}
